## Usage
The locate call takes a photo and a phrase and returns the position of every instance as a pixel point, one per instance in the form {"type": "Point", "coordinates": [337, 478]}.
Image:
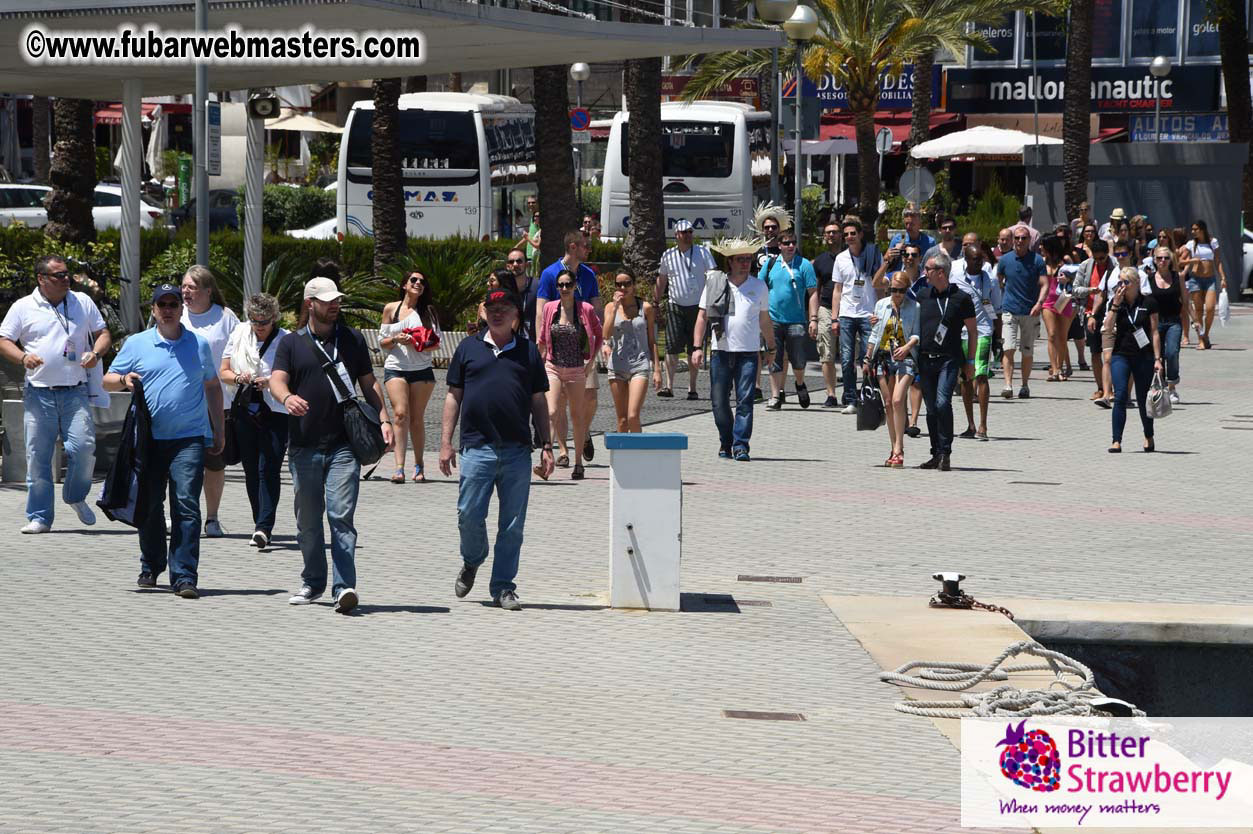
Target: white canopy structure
{"type": "Point", "coordinates": [980, 141]}
{"type": "Point", "coordinates": [302, 122]}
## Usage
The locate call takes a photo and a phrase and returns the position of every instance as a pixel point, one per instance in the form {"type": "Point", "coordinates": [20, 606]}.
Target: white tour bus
{"type": "Point", "coordinates": [715, 165]}
{"type": "Point", "coordinates": [459, 154]}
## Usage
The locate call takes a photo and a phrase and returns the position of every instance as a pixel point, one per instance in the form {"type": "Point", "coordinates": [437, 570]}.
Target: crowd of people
{"type": "Point", "coordinates": [921, 319]}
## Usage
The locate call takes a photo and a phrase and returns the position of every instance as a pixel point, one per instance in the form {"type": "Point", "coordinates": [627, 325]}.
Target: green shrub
{"type": "Point", "coordinates": [990, 212]}
{"type": "Point", "coordinates": [284, 208]}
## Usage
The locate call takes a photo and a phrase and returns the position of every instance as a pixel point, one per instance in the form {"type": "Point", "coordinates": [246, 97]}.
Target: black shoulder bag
{"type": "Point", "coordinates": [361, 422]}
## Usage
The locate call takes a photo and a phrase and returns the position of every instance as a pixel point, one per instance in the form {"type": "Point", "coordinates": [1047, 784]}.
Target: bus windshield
{"type": "Point", "coordinates": [429, 139]}
{"type": "Point", "coordinates": [691, 149]}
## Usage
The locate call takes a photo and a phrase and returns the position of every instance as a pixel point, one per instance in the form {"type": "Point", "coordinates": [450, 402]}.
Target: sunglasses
{"type": "Point", "coordinates": [787, 243]}
{"type": "Point", "coordinates": [1162, 258]}
{"type": "Point", "coordinates": [261, 322]}
{"type": "Point", "coordinates": [623, 284]}
{"type": "Point", "coordinates": [852, 233]}
{"type": "Point", "coordinates": [899, 290]}
{"type": "Point", "coordinates": [909, 254]}
{"type": "Point", "coordinates": [59, 276]}
{"type": "Point", "coordinates": [417, 282]}
{"type": "Point", "coordinates": [770, 228]}
{"type": "Point", "coordinates": [1022, 237]}
{"type": "Point", "coordinates": [565, 285]}
{"type": "Point", "coordinates": [1123, 254]}
{"type": "Point", "coordinates": [948, 227]}
{"type": "Point", "coordinates": [169, 305]}
{"type": "Point", "coordinates": [516, 261]}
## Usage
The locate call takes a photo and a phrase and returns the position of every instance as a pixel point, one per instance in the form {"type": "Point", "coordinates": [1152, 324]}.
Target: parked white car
{"type": "Point", "coordinates": [1247, 238]}
{"type": "Point", "coordinates": [25, 204]}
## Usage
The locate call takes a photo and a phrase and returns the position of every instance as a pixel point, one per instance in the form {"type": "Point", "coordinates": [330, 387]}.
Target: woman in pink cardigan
{"type": "Point", "coordinates": [569, 336]}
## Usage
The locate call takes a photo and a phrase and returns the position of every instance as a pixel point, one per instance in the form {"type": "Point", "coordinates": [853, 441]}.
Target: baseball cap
{"type": "Point", "coordinates": [323, 289]}
{"type": "Point", "coordinates": [498, 296]}
{"type": "Point", "coordinates": [683, 226]}
{"type": "Point", "coordinates": [163, 290]}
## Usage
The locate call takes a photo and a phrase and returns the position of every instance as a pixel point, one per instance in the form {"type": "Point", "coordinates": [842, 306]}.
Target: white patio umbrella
{"type": "Point", "coordinates": [156, 142]}
{"type": "Point", "coordinates": [979, 141]}
{"type": "Point", "coordinates": [303, 123]}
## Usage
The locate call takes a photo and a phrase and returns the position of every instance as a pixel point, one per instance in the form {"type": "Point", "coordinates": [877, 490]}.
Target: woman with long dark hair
{"type": "Point", "coordinates": [407, 373]}
{"type": "Point", "coordinates": [569, 338]}
{"type": "Point", "coordinates": [630, 349]}
{"type": "Point", "coordinates": [1203, 266]}
{"type": "Point", "coordinates": [1059, 308]}
{"type": "Point", "coordinates": [1166, 285]}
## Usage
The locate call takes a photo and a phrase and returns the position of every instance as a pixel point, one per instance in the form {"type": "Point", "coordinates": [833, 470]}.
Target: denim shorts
{"type": "Point", "coordinates": [423, 375]}
{"type": "Point", "coordinates": [1201, 284]}
{"type": "Point", "coordinates": [901, 367]}
{"type": "Point", "coordinates": [792, 345]}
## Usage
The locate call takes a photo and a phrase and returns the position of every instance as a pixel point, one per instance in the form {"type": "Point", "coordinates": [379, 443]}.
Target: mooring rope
{"type": "Point", "coordinates": [1062, 697]}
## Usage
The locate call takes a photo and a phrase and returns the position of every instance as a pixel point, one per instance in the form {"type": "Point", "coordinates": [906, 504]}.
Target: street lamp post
{"type": "Point", "coordinates": [800, 28]}
{"type": "Point", "coordinates": [580, 72]}
{"type": "Point", "coordinates": [1160, 68]}
{"type": "Point", "coordinates": [775, 12]}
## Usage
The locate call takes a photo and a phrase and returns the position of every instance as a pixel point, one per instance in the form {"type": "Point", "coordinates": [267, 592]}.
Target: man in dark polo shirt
{"type": "Point", "coordinates": [325, 473]}
{"type": "Point", "coordinates": [944, 309]}
{"type": "Point", "coordinates": [828, 343]}
{"type": "Point", "coordinates": [496, 386]}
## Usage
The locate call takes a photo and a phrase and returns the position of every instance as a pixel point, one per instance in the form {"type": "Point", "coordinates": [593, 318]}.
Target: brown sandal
{"type": "Point", "coordinates": [563, 461]}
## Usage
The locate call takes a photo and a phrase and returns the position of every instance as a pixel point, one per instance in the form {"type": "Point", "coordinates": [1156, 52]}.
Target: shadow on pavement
{"type": "Point", "coordinates": [400, 609]}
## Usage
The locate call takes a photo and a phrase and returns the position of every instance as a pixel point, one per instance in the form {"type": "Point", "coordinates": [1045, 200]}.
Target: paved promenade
{"type": "Point", "coordinates": [128, 711]}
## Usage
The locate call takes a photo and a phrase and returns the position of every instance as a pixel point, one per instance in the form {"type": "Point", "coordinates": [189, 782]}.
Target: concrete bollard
{"type": "Point", "coordinates": [645, 520]}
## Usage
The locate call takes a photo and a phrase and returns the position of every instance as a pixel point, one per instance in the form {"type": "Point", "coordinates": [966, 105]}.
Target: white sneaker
{"type": "Point", "coordinates": [36, 526]}
{"type": "Point", "coordinates": [849, 409]}
{"type": "Point", "coordinates": [85, 514]}
{"type": "Point", "coordinates": [213, 529]}
{"type": "Point", "coordinates": [306, 596]}
{"type": "Point", "coordinates": [345, 601]}
{"type": "Point", "coordinates": [1174, 398]}
{"type": "Point", "coordinates": [260, 539]}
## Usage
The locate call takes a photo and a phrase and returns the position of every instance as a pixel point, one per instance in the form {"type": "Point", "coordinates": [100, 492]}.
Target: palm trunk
{"type": "Point", "coordinates": [554, 161]}
{"type": "Point", "coordinates": [389, 197]}
{"type": "Point", "coordinates": [1233, 49]}
{"type": "Point", "coordinates": [40, 127]}
{"type": "Point", "coordinates": [646, 237]}
{"type": "Point", "coordinates": [920, 117]}
{"type": "Point", "coordinates": [72, 173]}
{"type": "Point", "coordinates": [1077, 106]}
{"type": "Point", "coordinates": [867, 157]}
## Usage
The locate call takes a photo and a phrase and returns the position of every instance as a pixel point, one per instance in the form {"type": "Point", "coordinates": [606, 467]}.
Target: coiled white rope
{"type": "Point", "coordinates": [1063, 696]}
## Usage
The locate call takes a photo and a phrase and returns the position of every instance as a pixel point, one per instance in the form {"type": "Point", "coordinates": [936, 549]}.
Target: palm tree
{"type": "Point", "coordinates": [554, 160]}
{"type": "Point", "coordinates": [857, 41]}
{"type": "Point", "coordinates": [1233, 49]}
{"type": "Point", "coordinates": [389, 194]}
{"type": "Point", "coordinates": [646, 237]}
{"type": "Point", "coordinates": [40, 128]}
{"type": "Point", "coordinates": [1077, 105]}
{"type": "Point", "coordinates": [73, 172]}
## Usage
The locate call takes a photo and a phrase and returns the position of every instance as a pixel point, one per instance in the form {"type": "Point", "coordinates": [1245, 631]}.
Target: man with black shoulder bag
{"type": "Point", "coordinates": [331, 433]}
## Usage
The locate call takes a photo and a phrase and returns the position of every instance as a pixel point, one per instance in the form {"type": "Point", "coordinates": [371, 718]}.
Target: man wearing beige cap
{"type": "Point", "coordinates": [325, 474]}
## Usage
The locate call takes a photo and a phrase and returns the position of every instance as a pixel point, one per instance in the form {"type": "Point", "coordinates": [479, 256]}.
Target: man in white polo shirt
{"type": "Point", "coordinates": [62, 336]}
{"type": "Point", "coordinates": [680, 280]}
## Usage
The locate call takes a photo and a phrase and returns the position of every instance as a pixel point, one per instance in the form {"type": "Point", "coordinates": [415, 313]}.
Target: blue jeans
{"type": "Point", "coordinates": [938, 378]}
{"type": "Point", "coordinates": [52, 413]}
{"type": "Point", "coordinates": [1124, 369]}
{"type": "Point", "coordinates": [261, 447]}
{"type": "Point", "coordinates": [854, 336]}
{"type": "Point", "coordinates": [326, 483]}
{"type": "Point", "coordinates": [726, 369]}
{"type": "Point", "coordinates": [508, 470]}
{"type": "Point", "coordinates": [1171, 331]}
{"type": "Point", "coordinates": [182, 462]}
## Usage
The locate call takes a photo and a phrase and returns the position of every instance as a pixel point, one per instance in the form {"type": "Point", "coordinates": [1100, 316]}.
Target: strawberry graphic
{"type": "Point", "coordinates": [1030, 758]}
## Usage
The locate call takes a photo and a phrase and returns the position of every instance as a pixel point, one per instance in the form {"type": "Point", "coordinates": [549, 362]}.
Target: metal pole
{"type": "Point", "coordinates": [776, 189]}
{"type": "Point", "coordinates": [254, 178]}
{"type": "Point", "coordinates": [1035, 88]}
{"type": "Point", "coordinates": [578, 155]}
{"type": "Point", "coordinates": [199, 133]}
{"type": "Point", "coordinates": [132, 174]}
{"type": "Point", "coordinates": [796, 180]}
{"type": "Point", "coordinates": [1157, 111]}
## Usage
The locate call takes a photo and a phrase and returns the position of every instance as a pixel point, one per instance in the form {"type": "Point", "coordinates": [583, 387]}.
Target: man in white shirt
{"type": "Point", "coordinates": [62, 336]}
{"type": "Point", "coordinates": [738, 313]}
{"type": "Point", "coordinates": [680, 280]}
{"type": "Point", "coordinates": [980, 284]}
{"type": "Point", "coordinates": [853, 296]}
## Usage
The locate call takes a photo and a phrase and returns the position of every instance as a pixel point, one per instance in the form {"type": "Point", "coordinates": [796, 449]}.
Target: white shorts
{"type": "Point", "coordinates": [1020, 332]}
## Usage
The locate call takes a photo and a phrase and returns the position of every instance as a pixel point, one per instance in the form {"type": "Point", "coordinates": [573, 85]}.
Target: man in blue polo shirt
{"type": "Point", "coordinates": [586, 289]}
{"type": "Point", "coordinates": [182, 392]}
{"type": "Point", "coordinates": [496, 386]}
{"type": "Point", "coordinates": [913, 234]}
{"type": "Point", "coordinates": [1019, 273]}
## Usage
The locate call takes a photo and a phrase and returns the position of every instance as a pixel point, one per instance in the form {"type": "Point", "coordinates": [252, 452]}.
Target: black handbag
{"type": "Point", "coordinates": [231, 454]}
{"type": "Point", "coordinates": [361, 422]}
{"type": "Point", "coordinates": [870, 411]}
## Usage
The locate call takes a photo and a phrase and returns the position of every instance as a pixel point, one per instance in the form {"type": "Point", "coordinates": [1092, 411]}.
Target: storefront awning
{"type": "Point", "coordinates": [111, 114]}
{"type": "Point", "coordinates": [840, 125]}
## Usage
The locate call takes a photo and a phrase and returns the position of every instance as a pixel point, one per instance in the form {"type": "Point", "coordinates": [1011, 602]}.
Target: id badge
{"type": "Point", "coordinates": [71, 356]}
{"type": "Point", "coordinates": [1142, 338]}
{"type": "Point", "coordinates": [940, 333]}
{"type": "Point", "coordinates": [348, 382]}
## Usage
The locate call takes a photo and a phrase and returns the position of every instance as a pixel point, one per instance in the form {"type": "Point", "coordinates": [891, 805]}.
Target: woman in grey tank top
{"type": "Point", "coordinates": [630, 348]}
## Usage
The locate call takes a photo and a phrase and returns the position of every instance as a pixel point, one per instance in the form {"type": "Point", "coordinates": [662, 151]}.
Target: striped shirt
{"type": "Point", "coordinates": [685, 272]}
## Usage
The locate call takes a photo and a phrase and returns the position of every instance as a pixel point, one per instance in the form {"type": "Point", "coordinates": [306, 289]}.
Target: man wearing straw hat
{"type": "Point", "coordinates": [735, 310]}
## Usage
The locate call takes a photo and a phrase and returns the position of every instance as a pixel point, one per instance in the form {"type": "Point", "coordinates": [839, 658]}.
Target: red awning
{"type": "Point", "coordinates": [1110, 134]}
{"type": "Point", "coordinates": [840, 125]}
{"type": "Point", "coordinates": [111, 114]}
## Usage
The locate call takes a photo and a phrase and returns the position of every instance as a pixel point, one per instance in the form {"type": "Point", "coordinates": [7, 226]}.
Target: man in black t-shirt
{"type": "Point", "coordinates": [325, 474]}
{"type": "Point", "coordinates": [944, 309]}
{"type": "Point", "coordinates": [827, 345]}
{"type": "Point", "coordinates": [496, 386]}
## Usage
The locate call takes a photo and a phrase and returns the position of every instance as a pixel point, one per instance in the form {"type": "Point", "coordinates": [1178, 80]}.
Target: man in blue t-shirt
{"type": "Point", "coordinates": [793, 291]}
{"type": "Point", "coordinates": [496, 387]}
{"type": "Point", "coordinates": [184, 397]}
{"type": "Point", "coordinates": [1020, 273]}
{"type": "Point", "coordinates": [586, 289]}
{"type": "Point", "coordinates": [913, 234]}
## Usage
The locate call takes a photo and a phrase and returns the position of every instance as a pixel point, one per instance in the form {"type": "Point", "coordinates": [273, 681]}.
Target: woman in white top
{"type": "Point", "coordinates": [1201, 260]}
{"type": "Point", "coordinates": [260, 422]}
{"type": "Point", "coordinates": [407, 373]}
{"type": "Point", "coordinates": [205, 314]}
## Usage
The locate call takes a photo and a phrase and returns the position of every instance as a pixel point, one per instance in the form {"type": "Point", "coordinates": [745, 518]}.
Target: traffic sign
{"type": "Point", "coordinates": [917, 186]}
{"type": "Point", "coordinates": [580, 118]}
{"type": "Point", "coordinates": [883, 141]}
{"type": "Point", "coordinates": [580, 137]}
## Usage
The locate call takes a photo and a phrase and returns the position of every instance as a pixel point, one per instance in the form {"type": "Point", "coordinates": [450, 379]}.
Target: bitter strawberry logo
{"type": "Point", "coordinates": [1030, 758]}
